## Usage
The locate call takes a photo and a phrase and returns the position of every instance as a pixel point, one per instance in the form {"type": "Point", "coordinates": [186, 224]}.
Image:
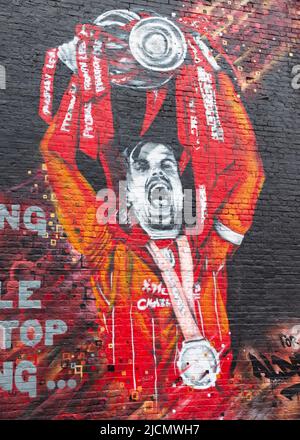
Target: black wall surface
{"type": "Point", "coordinates": [264, 274]}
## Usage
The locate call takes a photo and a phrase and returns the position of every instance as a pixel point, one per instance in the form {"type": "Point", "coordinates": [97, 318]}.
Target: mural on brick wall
{"type": "Point", "coordinates": [114, 286]}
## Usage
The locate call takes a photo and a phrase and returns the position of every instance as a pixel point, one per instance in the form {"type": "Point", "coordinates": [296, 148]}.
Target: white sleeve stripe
{"type": "Point", "coordinates": [228, 234]}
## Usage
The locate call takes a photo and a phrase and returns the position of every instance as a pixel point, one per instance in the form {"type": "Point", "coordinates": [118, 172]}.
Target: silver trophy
{"type": "Point", "coordinates": [199, 364]}
{"type": "Point", "coordinates": [158, 44]}
{"type": "Point", "coordinates": [147, 56]}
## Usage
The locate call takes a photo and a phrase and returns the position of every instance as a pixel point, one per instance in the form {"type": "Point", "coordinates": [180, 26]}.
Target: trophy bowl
{"type": "Point", "coordinates": [158, 44]}
{"type": "Point", "coordinates": [142, 53]}
{"type": "Point", "coordinates": [145, 57]}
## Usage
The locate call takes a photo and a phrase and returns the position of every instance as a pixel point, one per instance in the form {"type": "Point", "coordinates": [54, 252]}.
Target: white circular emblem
{"type": "Point", "coordinates": [158, 44]}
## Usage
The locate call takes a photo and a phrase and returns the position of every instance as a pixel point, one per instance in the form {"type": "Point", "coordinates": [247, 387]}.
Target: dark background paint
{"type": "Point", "coordinates": [264, 274]}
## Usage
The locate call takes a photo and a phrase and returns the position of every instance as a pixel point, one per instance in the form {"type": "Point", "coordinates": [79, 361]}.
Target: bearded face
{"type": "Point", "coordinates": [154, 190]}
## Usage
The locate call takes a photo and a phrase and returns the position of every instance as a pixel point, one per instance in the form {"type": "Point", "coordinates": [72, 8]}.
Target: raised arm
{"type": "Point", "coordinates": [245, 177]}
{"type": "Point", "coordinates": [76, 199]}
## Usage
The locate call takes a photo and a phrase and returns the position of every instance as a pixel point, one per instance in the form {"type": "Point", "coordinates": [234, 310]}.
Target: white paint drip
{"type": "Point", "coordinates": [201, 317]}
{"type": "Point", "coordinates": [216, 304]}
{"type": "Point", "coordinates": [133, 350]}
{"type": "Point", "coordinates": [155, 361]}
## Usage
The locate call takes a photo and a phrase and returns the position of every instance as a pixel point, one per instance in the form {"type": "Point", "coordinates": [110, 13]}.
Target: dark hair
{"type": "Point", "coordinates": [174, 147]}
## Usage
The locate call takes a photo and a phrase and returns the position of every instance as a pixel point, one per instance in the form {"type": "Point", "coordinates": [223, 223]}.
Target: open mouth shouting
{"type": "Point", "coordinates": [159, 194]}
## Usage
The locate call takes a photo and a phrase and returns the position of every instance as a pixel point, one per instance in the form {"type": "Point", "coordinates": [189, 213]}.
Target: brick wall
{"type": "Point", "coordinates": [90, 328]}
